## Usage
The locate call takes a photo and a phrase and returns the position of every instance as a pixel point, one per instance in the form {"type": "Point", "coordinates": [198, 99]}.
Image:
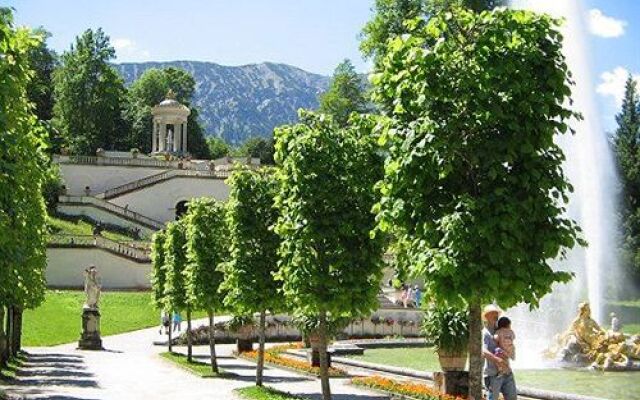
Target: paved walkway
{"type": "Point", "coordinates": [130, 368]}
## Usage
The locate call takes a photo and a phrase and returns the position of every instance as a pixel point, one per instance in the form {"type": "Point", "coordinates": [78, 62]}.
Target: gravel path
{"type": "Point", "coordinates": [130, 368]}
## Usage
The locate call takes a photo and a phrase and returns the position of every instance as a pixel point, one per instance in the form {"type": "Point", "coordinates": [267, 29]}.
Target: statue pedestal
{"type": "Point", "coordinates": [90, 338]}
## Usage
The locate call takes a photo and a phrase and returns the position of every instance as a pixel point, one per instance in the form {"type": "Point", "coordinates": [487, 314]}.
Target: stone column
{"type": "Point", "coordinates": [163, 136]}
{"type": "Point", "coordinates": [178, 137]}
{"type": "Point", "coordinates": [154, 136]}
{"type": "Point", "coordinates": [184, 136]}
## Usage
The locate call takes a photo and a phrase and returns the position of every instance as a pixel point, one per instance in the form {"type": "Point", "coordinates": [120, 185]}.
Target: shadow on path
{"type": "Point", "coordinates": [53, 369]}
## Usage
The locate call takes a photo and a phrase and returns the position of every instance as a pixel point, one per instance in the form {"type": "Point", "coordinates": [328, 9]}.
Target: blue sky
{"type": "Point", "coordinates": [311, 34]}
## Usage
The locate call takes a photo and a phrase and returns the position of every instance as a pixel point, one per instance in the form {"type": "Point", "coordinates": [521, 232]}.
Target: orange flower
{"type": "Point", "coordinates": [420, 391]}
{"type": "Point", "coordinates": [272, 356]}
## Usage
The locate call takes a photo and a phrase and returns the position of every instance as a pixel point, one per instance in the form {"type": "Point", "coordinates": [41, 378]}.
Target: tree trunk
{"type": "Point", "coordinates": [16, 336]}
{"type": "Point", "coordinates": [212, 343]}
{"type": "Point", "coordinates": [324, 363]}
{"type": "Point", "coordinates": [170, 332]}
{"type": "Point", "coordinates": [3, 340]}
{"type": "Point", "coordinates": [260, 368]}
{"type": "Point", "coordinates": [189, 339]}
{"type": "Point", "coordinates": [475, 351]}
{"type": "Point", "coordinates": [9, 331]}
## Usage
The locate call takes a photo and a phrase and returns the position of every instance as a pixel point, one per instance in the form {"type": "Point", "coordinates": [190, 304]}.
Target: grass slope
{"type": "Point", "coordinates": [80, 227]}
{"type": "Point", "coordinates": [58, 319]}
{"type": "Point", "coordinates": [265, 393]}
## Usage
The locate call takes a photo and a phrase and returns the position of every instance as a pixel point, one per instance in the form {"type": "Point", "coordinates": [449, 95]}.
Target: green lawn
{"type": "Point", "coordinates": [199, 368]}
{"type": "Point", "coordinates": [58, 319]}
{"type": "Point", "coordinates": [265, 393]}
{"type": "Point", "coordinates": [80, 227]}
{"type": "Point", "coordinates": [609, 385]}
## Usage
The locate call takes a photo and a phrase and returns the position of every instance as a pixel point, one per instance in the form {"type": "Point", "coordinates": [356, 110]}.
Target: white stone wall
{"type": "Point", "coordinates": [65, 268]}
{"type": "Point", "coordinates": [159, 201]}
{"type": "Point", "coordinates": [105, 217]}
{"type": "Point", "coordinates": [101, 177]}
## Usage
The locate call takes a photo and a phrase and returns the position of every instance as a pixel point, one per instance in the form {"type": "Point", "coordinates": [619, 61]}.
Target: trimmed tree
{"type": "Point", "coordinates": [474, 186]}
{"type": "Point", "coordinates": [207, 238]}
{"type": "Point", "coordinates": [175, 289]}
{"type": "Point", "coordinates": [159, 274]}
{"type": "Point", "coordinates": [22, 207]}
{"type": "Point", "coordinates": [330, 266]}
{"type": "Point", "coordinates": [249, 275]}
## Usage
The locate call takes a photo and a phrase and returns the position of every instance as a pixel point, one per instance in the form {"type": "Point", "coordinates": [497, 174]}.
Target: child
{"type": "Point", "coordinates": [506, 350]}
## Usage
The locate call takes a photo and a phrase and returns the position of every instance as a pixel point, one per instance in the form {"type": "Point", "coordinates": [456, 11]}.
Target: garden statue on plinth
{"type": "Point", "coordinates": [90, 338]}
{"type": "Point", "coordinates": [585, 342]}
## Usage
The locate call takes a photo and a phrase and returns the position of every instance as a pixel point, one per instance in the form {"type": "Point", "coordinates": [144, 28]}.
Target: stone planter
{"type": "Point", "coordinates": [452, 361]}
{"type": "Point", "coordinates": [244, 337]}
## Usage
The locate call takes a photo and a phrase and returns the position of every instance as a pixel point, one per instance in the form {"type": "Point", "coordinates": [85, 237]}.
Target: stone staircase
{"type": "Point", "coordinates": [136, 252]}
{"type": "Point", "coordinates": [101, 204]}
{"type": "Point", "coordinates": [157, 178]}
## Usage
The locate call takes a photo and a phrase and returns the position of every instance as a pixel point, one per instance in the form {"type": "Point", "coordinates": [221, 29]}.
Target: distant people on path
{"type": "Point", "coordinates": [417, 294]}
{"type": "Point", "coordinates": [616, 326]}
{"type": "Point", "coordinates": [177, 321]}
{"type": "Point", "coordinates": [164, 322]}
{"type": "Point", "coordinates": [496, 382]}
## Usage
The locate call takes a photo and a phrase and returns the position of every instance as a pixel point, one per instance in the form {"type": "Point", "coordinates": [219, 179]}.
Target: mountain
{"type": "Point", "coordinates": [249, 100]}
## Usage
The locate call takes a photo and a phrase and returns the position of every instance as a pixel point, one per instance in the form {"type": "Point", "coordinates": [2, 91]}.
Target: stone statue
{"type": "Point", "coordinates": [585, 342]}
{"type": "Point", "coordinates": [92, 287]}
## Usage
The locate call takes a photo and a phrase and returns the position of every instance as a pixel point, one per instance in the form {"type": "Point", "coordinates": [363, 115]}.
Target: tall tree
{"type": "Point", "coordinates": [158, 273]}
{"type": "Point", "coordinates": [218, 148]}
{"type": "Point", "coordinates": [175, 288]}
{"type": "Point", "coordinates": [627, 149]}
{"type": "Point", "coordinates": [207, 238]}
{"type": "Point", "coordinates": [22, 207]}
{"type": "Point", "coordinates": [89, 96]}
{"type": "Point", "coordinates": [258, 147]}
{"type": "Point", "coordinates": [149, 90]}
{"type": "Point", "coordinates": [474, 185]}
{"type": "Point", "coordinates": [330, 266]}
{"type": "Point", "coordinates": [42, 61]}
{"type": "Point", "coordinates": [346, 94]}
{"type": "Point", "coordinates": [249, 281]}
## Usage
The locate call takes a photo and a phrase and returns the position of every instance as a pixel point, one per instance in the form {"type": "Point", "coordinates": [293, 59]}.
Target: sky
{"type": "Point", "coordinates": [314, 35]}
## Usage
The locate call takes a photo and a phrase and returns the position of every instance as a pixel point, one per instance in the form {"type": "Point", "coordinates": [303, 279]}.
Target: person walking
{"type": "Point", "coordinates": [164, 322]}
{"type": "Point", "coordinates": [177, 321]}
{"type": "Point", "coordinates": [417, 296]}
{"type": "Point", "coordinates": [494, 382]}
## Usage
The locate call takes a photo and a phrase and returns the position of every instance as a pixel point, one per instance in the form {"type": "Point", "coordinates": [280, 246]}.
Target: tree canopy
{"type": "Point", "coordinates": [258, 147]}
{"type": "Point", "coordinates": [89, 96]}
{"type": "Point", "coordinates": [346, 94]}
{"type": "Point", "coordinates": [158, 274]}
{"type": "Point", "coordinates": [175, 289]}
{"type": "Point", "coordinates": [218, 148]}
{"type": "Point", "coordinates": [473, 184]}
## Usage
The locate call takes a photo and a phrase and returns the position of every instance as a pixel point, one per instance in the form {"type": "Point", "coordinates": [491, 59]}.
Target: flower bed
{"type": "Point", "coordinates": [414, 390]}
{"type": "Point", "coordinates": [273, 356]}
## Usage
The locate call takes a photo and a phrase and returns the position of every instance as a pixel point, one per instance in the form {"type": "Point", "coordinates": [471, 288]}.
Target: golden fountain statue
{"type": "Point", "coordinates": [585, 342]}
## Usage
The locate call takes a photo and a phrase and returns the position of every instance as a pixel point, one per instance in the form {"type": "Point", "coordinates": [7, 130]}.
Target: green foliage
{"type": "Point", "coordinates": [627, 150]}
{"type": "Point", "coordinates": [264, 393]}
{"type": "Point", "coordinates": [328, 263]}
{"type": "Point", "coordinates": [89, 94]}
{"type": "Point", "coordinates": [207, 239]}
{"type": "Point", "coordinates": [52, 186]}
{"type": "Point", "coordinates": [345, 94]}
{"type": "Point", "coordinates": [218, 148]}
{"type": "Point", "coordinates": [22, 207]}
{"type": "Point", "coordinates": [175, 262]}
{"type": "Point", "coordinates": [199, 368]}
{"type": "Point", "coordinates": [258, 147]}
{"type": "Point", "coordinates": [158, 273]}
{"type": "Point", "coordinates": [446, 328]}
{"type": "Point", "coordinates": [310, 323]}
{"type": "Point", "coordinates": [42, 61]}
{"type": "Point", "coordinates": [149, 90]}
{"type": "Point", "coordinates": [249, 282]}
{"type": "Point", "coordinates": [473, 184]}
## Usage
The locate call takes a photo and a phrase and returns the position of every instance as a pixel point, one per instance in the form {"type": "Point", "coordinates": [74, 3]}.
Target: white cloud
{"type": "Point", "coordinates": [605, 26]}
{"type": "Point", "coordinates": [127, 49]}
{"type": "Point", "coordinates": [612, 84]}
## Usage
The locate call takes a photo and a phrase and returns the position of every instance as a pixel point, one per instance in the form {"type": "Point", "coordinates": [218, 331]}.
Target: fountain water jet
{"type": "Point", "coordinates": [591, 170]}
